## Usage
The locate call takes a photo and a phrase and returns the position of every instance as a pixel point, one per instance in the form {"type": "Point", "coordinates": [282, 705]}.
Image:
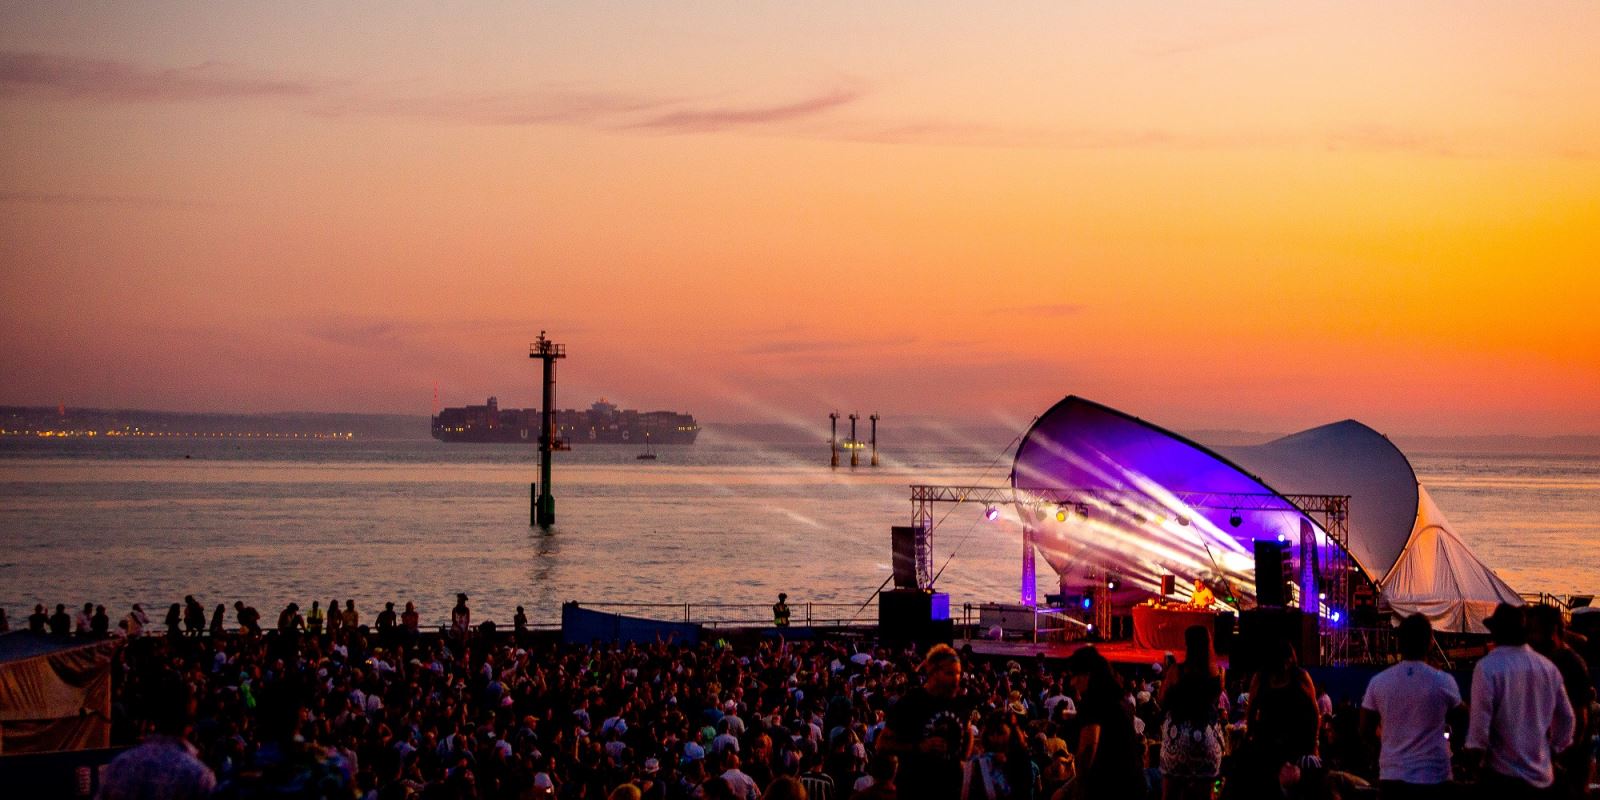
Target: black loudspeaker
{"type": "Point", "coordinates": [911, 615]}
{"type": "Point", "coordinates": [1260, 629]}
{"type": "Point", "coordinates": [1222, 636]}
{"type": "Point", "coordinates": [903, 539]}
{"type": "Point", "coordinates": [1169, 585]}
{"type": "Point", "coordinates": [1269, 574]}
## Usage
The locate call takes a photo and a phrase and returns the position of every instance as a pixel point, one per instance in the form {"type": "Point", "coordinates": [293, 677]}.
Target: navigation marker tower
{"type": "Point", "coordinates": [544, 503]}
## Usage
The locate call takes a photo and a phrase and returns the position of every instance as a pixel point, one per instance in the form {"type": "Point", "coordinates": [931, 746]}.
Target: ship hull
{"type": "Point", "coordinates": [602, 423]}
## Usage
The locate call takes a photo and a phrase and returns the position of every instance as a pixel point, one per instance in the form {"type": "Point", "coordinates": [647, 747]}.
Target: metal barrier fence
{"type": "Point", "coordinates": [742, 615]}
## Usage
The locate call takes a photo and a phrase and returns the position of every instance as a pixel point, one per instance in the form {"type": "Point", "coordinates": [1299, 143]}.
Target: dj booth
{"type": "Point", "coordinates": [1162, 627]}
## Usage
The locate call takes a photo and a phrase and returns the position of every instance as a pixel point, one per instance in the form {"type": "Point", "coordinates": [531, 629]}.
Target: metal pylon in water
{"type": "Point", "coordinates": [544, 501]}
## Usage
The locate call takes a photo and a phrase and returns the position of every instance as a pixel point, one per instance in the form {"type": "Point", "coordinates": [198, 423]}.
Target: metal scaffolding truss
{"type": "Point", "coordinates": [1331, 561]}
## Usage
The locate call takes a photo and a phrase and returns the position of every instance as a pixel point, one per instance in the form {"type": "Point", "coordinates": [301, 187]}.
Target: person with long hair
{"type": "Point", "coordinates": [1282, 723]}
{"type": "Point", "coordinates": [175, 621]}
{"type": "Point", "coordinates": [1108, 750]}
{"type": "Point", "coordinates": [1191, 734]}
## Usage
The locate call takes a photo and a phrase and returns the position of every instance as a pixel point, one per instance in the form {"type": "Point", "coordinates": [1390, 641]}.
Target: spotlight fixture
{"type": "Point", "coordinates": [1182, 520]}
{"type": "Point", "coordinates": [1112, 583]}
{"type": "Point", "coordinates": [1061, 513]}
{"type": "Point", "coordinates": [1234, 519]}
{"type": "Point", "coordinates": [1334, 617]}
{"type": "Point", "coordinates": [1283, 537]}
{"type": "Point", "coordinates": [991, 513]}
{"type": "Point", "coordinates": [1083, 510]}
{"type": "Point", "coordinates": [1088, 601]}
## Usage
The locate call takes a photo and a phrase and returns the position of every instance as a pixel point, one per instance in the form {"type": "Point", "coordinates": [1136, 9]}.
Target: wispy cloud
{"type": "Point", "coordinates": [54, 75]}
{"type": "Point", "coordinates": [89, 199]}
{"type": "Point", "coordinates": [387, 333]}
{"type": "Point", "coordinates": [1382, 139]}
{"type": "Point", "coordinates": [967, 134]}
{"type": "Point", "coordinates": [705, 120]}
{"type": "Point", "coordinates": [539, 107]}
{"type": "Point", "coordinates": [66, 77]}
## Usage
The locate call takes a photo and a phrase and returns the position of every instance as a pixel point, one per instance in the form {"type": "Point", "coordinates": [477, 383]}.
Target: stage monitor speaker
{"type": "Point", "coordinates": [903, 539]}
{"type": "Point", "coordinates": [1269, 574]}
{"type": "Point", "coordinates": [1260, 629]}
{"type": "Point", "coordinates": [911, 615]}
{"type": "Point", "coordinates": [1169, 585]}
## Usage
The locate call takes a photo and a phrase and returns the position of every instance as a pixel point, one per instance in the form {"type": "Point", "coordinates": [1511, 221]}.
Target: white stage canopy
{"type": "Point", "coordinates": [1157, 503]}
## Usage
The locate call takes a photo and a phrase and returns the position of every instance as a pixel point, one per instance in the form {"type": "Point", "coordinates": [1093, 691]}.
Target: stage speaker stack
{"type": "Point", "coordinates": [1169, 585]}
{"type": "Point", "coordinates": [1269, 574]}
{"type": "Point", "coordinates": [1260, 629]}
{"type": "Point", "coordinates": [903, 541]}
{"type": "Point", "coordinates": [914, 616]}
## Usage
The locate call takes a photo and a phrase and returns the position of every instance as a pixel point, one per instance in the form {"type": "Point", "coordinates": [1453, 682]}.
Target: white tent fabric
{"type": "Point", "coordinates": [1438, 576]}
{"type": "Point", "coordinates": [1352, 459]}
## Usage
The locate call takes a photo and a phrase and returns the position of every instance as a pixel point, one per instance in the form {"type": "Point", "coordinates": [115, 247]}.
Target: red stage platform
{"type": "Point", "coordinates": [1116, 652]}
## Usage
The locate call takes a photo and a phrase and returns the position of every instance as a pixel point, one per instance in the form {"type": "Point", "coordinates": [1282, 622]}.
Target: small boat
{"type": "Point", "coordinates": [649, 453]}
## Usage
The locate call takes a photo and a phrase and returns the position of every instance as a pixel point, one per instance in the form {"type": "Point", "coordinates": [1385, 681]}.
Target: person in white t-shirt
{"type": "Point", "coordinates": [1410, 702]}
{"type": "Point", "coordinates": [1520, 712]}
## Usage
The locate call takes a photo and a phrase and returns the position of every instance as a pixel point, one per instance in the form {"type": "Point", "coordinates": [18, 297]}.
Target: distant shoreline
{"type": "Point", "coordinates": [406, 427]}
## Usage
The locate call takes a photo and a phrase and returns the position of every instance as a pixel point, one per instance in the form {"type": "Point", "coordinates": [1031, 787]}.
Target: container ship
{"type": "Point", "coordinates": [601, 423]}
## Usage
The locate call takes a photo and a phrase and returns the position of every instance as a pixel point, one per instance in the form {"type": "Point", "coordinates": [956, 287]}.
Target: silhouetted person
{"type": "Point", "coordinates": [1192, 735]}
{"type": "Point", "coordinates": [60, 623]}
{"type": "Point", "coordinates": [350, 619]}
{"type": "Point", "coordinates": [100, 623]}
{"type": "Point", "coordinates": [249, 618]}
{"type": "Point", "coordinates": [780, 611]}
{"type": "Point", "coordinates": [460, 618]}
{"type": "Point", "coordinates": [314, 619]}
{"type": "Point", "coordinates": [289, 620]}
{"type": "Point", "coordinates": [218, 624]}
{"type": "Point", "coordinates": [387, 621]}
{"type": "Point", "coordinates": [174, 622]}
{"type": "Point", "coordinates": [84, 620]}
{"type": "Point", "coordinates": [194, 615]}
{"type": "Point", "coordinates": [1283, 719]}
{"type": "Point", "coordinates": [1547, 637]}
{"type": "Point", "coordinates": [926, 729]}
{"type": "Point", "coordinates": [519, 625]}
{"type": "Point", "coordinates": [38, 619]}
{"type": "Point", "coordinates": [1108, 751]}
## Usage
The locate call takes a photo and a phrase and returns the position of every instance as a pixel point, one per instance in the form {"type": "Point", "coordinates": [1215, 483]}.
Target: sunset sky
{"type": "Point", "coordinates": [1262, 216]}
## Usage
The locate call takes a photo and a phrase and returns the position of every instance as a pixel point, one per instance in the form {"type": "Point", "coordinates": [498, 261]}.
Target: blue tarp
{"type": "Point", "coordinates": [580, 626]}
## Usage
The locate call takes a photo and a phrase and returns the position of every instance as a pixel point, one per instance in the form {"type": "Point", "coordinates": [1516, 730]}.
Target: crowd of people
{"type": "Point", "coordinates": [324, 705]}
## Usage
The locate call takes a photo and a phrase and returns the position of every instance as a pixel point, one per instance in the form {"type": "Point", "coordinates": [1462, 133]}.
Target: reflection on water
{"type": "Point", "coordinates": [420, 521]}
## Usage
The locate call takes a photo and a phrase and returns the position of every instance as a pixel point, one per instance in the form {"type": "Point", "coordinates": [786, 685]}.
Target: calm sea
{"type": "Point", "coordinates": [121, 521]}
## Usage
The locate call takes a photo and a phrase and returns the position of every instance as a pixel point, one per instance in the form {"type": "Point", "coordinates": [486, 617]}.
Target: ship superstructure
{"type": "Point", "coordinates": [600, 423]}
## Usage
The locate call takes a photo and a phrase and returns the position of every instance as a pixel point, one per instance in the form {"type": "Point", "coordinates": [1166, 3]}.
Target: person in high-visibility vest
{"type": "Point", "coordinates": [780, 611]}
{"type": "Point", "coordinates": [314, 619]}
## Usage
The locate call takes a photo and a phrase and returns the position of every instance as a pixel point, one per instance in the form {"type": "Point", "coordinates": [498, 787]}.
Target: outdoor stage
{"type": "Point", "coordinates": [1124, 652]}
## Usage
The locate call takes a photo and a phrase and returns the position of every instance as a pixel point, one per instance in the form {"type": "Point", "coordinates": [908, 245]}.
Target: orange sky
{"type": "Point", "coordinates": [1213, 215]}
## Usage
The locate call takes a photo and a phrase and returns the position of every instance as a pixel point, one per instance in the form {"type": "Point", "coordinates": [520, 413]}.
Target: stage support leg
{"type": "Point", "coordinates": [1030, 596]}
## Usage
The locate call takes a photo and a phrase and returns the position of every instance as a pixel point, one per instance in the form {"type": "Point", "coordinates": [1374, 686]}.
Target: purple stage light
{"type": "Point", "coordinates": [991, 513]}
